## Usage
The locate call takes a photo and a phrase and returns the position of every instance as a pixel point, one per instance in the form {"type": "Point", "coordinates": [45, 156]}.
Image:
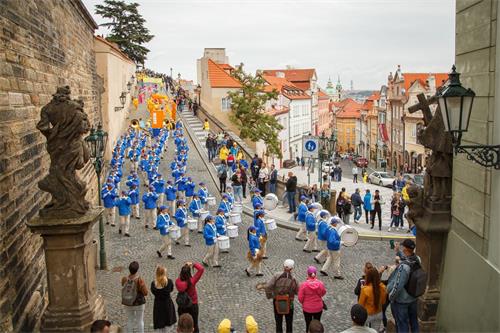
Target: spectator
{"type": "Point", "coordinates": [254, 166]}
{"type": "Point", "coordinates": [311, 294]}
{"type": "Point", "coordinates": [291, 188]}
{"type": "Point", "coordinates": [362, 280]}
{"type": "Point", "coordinates": [237, 187]}
{"type": "Point", "coordinates": [403, 305]}
{"type": "Point", "coordinates": [347, 209]}
{"type": "Point", "coordinates": [357, 202]}
{"type": "Point", "coordinates": [187, 283]}
{"type": "Point", "coordinates": [223, 153]}
{"type": "Point", "coordinates": [377, 209]}
{"type": "Point", "coordinates": [396, 212]}
{"type": "Point", "coordinates": [367, 204]}
{"type": "Point", "coordinates": [206, 125]}
{"type": "Point", "coordinates": [163, 308]}
{"type": "Point", "coordinates": [234, 149]}
{"type": "Point", "coordinates": [358, 317]}
{"type": "Point", "coordinates": [263, 178]}
{"type": "Point", "coordinates": [282, 289]}
{"type": "Point", "coordinates": [185, 324]}
{"type": "Point", "coordinates": [134, 294]}
{"type": "Point", "coordinates": [372, 298]}
{"type": "Point", "coordinates": [273, 179]}
{"type": "Point", "coordinates": [341, 202]}
{"type": "Point", "coordinates": [314, 193]}
{"type": "Point", "coordinates": [222, 175]}
{"type": "Point", "coordinates": [325, 196]}
{"type": "Point", "coordinates": [316, 327]}
{"type": "Point", "coordinates": [339, 174]}
{"type": "Point", "coordinates": [100, 326]}
{"type": "Point", "coordinates": [303, 163]}
{"type": "Point", "coordinates": [251, 325]}
{"type": "Point", "coordinates": [355, 172]}
{"type": "Point", "coordinates": [244, 181]}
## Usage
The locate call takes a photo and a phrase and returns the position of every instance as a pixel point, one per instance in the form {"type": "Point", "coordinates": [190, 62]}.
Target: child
{"type": "Point", "coordinates": [123, 204]}
{"type": "Point", "coordinates": [108, 196]}
{"type": "Point", "coordinates": [261, 232]}
{"type": "Point", "coordinates": [194, 208]}
{"type": "Point", "coordinates": [210, 235]}
{"type": "Point", "coordinates": [254, 256]}
{"type": "Point", "coordinates": [149, 200]}
{"type": "Point", "coordinates": [180, 217]}
{"type": "Point", "coordinates": [163, 223]}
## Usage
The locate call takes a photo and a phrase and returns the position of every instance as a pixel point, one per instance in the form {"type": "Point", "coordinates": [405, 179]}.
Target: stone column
{"type": "Point", "coordinates": [333, 203]}
{"type": "Point", "coordinates": [73, 300]}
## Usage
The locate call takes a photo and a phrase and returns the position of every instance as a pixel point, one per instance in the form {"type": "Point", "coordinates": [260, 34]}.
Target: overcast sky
{"type": "Point", "coordinates": [360, 40]}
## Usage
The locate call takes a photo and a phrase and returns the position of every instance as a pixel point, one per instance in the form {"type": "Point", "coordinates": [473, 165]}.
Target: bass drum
{"type": "Point", "coordinates": [348, 235]}
{"type": "Point", "coordinates": [328, 216]}
{"type": "Point", "coordinates": [270, 201]}
{"type": "Point", "coordinates": [317, 208]}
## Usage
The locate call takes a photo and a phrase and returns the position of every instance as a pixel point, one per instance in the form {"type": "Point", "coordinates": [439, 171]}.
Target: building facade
{"type": "Point", "coordinates": [324, 114]}
{"type": "Point", "coordinates": [347, 116]}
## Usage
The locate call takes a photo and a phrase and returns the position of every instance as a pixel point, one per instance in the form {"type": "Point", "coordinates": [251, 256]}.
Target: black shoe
{"type": "Point", "coordinates": [259, 274]}
{"type": "Point", "coordinates": [304, 240]}
{"type": "Point", "coordinates": [170, 257]}
{"type": "Point", "coordinates": [127, 235]}
{"type": "Point", "coordinates": [177, 243]}
{"type": "Point", "coordinates": [298, 239]}
{"type": "Point", "coordinates": [379, 228]}
{"type": "Point", "coordinates": [317, 261]}
{"type": "Point", "coordinates": [265, 257]}
{"type": "Point", "coordinates": [120, 231]}
{"type": "Point", "coordinates": [200, 232]}
{"type": "Point", "coordinates": [107, 223]}
{"type": "Point", "coordinates": [146, 226]}
{"type": "Point", "coordinates": [339, 277]}
{"type": "Point", "coordinates": [155, 228]}
{"type": "Point", "coordinates": [204, 264]}
{"type": "Point", "coordinates": [188, 245]}
{"type": "Point", "coordinates": [323, 273]}
{"type": "Point", "coordinates": [317, 251]}
{"type": "Point", "coordinates": [217, 266]}
{"type": "Point", "coordinates": [112, 224]}
{"type": "Point", "coordinates": [248, 273]}
{"type": "Point", "coordinates": [159, 254]}
{"type": "Point", "coordinates": [371, 227]}
{"type": "Point", "coordinates": [137, 218]}
{"type": "Point", "coordinates": [306, 251]}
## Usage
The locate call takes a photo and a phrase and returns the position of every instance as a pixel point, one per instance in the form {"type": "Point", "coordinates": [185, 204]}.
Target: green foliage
{"type": "Point", "coordinates": [248, 114]}
{"type": "Point", "coordinates": [127, 28]}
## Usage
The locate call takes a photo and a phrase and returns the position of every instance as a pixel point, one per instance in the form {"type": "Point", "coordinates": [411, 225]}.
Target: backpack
{"type": "Point", "coordinates": [129, 292]}
{"type": "Point", "coordinates": [417, 281]}
{"type": "Point", "coordinates": [221, 173]}
{"type": "Point", "coordinates": [183, 300]}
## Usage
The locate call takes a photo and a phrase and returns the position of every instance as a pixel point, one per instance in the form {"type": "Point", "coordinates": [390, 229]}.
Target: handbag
{"type": "Point", "coordinates": [282, 304]}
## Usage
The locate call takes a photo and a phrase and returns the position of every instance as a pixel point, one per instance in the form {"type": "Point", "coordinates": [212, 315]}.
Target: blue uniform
{"type": "Point", "coordinates": [310, 221]}
{"type": "Point", "coordinates": [181, 183]}
{"type": "Point", "coordinates": [190, 189]}
{"type": "Point", "coordinates": [220, 223]}
{"type": "Point", "coordinates": [159, 185]}
{"type": "Point", "coordinates": [253, 244]}
{"type": "Point", "coordinates": [181, 216]}
{"type": "Point", "coordinates": [123, 204]}
{"type": "Point", "coordinates": [108, 197]}
{"type": "Point", "coordinates": [225, 206]}
{"type": "Point", "coordinates": [134, 196]}
{"type": "Point", "coordinates": [210, 234]}
{"type": "Point", "coordinates": [301, 216]}
{"type": "Point", "coordinates": [149, 200]}
{"type": "Point", "coordinates": [322, 230]}
{"type": "Point", "coordinates": [163, 223]}
{"type": "Point", "coordinates": [333, 239]}
{"type": "Point", "coordinates": [203, 194]}
{"type": "Point", "coordinates": [170, 192]}
{"type": "Point", "coordinates": [195, 207]}
{"type": "Point", "coordinates": [256, 201]}
{"type": "Point", "coordinates": [260, 227]}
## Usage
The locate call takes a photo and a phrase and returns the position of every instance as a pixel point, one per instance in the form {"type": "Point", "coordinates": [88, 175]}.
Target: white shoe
{"type": "Point", "coordinates": [389, 229]}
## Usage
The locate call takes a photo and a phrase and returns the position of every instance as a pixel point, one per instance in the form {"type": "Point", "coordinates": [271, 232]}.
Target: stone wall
{"type": "Point", "coordinates": [44, 44]}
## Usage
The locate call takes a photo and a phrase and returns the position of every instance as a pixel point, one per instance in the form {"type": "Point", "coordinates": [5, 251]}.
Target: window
{"type": "Point", "coordinates": [413, 130]}
{"type": "Point", "coordinates": [226, 104]}
{"type": "Point", "coordinates": [347, 130]}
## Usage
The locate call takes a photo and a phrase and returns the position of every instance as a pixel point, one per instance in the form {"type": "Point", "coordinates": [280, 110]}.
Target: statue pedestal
{"type": "Point", "coordinates": [333, 203]}
{"type": "Point", "coordinates": [70, 263]}
{"type": "Point", "coordinates": [432, 230]}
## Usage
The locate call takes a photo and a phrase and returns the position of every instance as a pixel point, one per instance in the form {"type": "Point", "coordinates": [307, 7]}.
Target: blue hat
{"type": "Point", "coordinates": [303, 197]}
{"type": "Point", "coordinates": [220, 210]}
{"type": "Point", "coordinates": [259, 205]}
{"type": "Point", "coordinates": [252, 229]}
{"type": "Point", "coordinates": [310, 206]}
{"type": "Point", "coordinates": [124, 192]}
{"type": "Point", "coordinates": [208, 218]}
{"type": "Point", "coordinates": [257, 190]}
{"type": "Point", "coordinates": [180, 202]}
{"type": "Point", "coordinates": [225, 196]}
{"type": "Point", "coordinates": [323, 214]}
{"type": "Point", "coordinates": [335, 220]}
{"type": "Point", "coordinates": [151, 187]}
{"type": "Point", "coordinates": [189, 178]}
{"type": "Point", "coordinates": [169, 182]}
{"type": "Point", "coordinates": [163, 207]}
{"type": "Point", "coordinates": [260, 212]}
{"type": "Point", "coordinates": [201, 183]}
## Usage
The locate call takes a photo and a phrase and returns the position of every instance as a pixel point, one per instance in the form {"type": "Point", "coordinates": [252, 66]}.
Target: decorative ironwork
{"type": "Point", "coordinates": [486, 156]}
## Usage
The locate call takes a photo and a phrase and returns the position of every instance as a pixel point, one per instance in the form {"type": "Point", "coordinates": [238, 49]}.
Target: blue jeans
{"type": "Point", "coordinates": [394, 221]}
{"type": "Point", "coordinates": [357, 213]}
{"type": "Point", "coordinates": [405, 315]}
{"type": "Point", "coordinates": [272, 187]}
{"type": "Point", "coordinates": [238, 193]}
{"type": "Point", "coordinates": [291, 201]}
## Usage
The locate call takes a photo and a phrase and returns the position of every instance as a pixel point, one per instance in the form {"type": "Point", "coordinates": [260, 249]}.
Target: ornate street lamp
{"type": "Point", "coordinates": [123, 98]}
{"type": "Point", "coordinates": [97, 141]}
{"type": "Point", "coordinates": [455, 103]}
{"type": "Point", "coordinates": [198, 91]}
{"type": "Point", "coordinates": [129, 85]}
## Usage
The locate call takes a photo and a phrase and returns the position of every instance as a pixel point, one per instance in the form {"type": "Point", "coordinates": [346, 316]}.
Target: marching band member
{"type": "Point", "coordinates": [224, 205]}
{"type": "Point", "coordinates": [180, 217]}
{"type": "Point", "coordinates": [322, 236]}
{"type": "Point", "coordinates": [230, 195]}
{"type": "Point", "coordinates": [257, 199]}
{"type": "Point", "coordinates": [159, 185]}
{"type": "Point", "coordinates": [195, 207]}
{"type": "Point", "coordinates": [108, 196]}
{"type": "Point", "coordinates": [301, 216]}
{"type": "Point", "coordinates": [134, 198]}
{"type": "Point", "coordinates": [333, 244]}
{"type": "Point", "coordinates": [123, 204]}
{"type": "Point", "coordinates": [163, 223]}
{"type": "Point", "coordinates": [312, 240]}
{"type": "Point", "coordinates": [181, 186]}
{"type": "Point", "coordinates": [133, 179]}
{"type": "Point", "coordinates": [210, 235]}
{"type": "Point", "coordinates": [170, 192]}
{"type": "Point", "coordinates": [254, 254]}
{"type": "Point", "coordinates": [149, 200]}
{"type": "Point", "coordinates": [220, 222]}
{"type": "Point", "coordinates": [190, 186]}
{"type": "Point", "coordinates": [203, 194]}
{"type": "Point", "coordinates": [261, 231]}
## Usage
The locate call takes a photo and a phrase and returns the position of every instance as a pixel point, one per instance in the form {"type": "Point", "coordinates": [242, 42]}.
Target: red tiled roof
{"type": "Point", "coordinates": [409, 78]}
{"type": "Point", "coordinates": [285, 87]}
{"type": "Point", "coordinates": [276, 112]}
{"type": "Point", "coordinates": [226, 66]}
{"type": "Point", "coordinates": [322, 95]}
{"type": "Point", "coordinates": [293, 75]}
{"type": "Point", "coordinates": [374, 97]}
{"type": "Point", "coordinates": [219, 78]}
{"type": "Point", "coordinates": [350, 109]}
{"type": "Point", "coordinates": [304, 85]}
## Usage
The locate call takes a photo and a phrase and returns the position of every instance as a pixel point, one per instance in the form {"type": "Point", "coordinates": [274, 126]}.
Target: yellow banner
{"type": "Point", "coordinates": [156, 80]}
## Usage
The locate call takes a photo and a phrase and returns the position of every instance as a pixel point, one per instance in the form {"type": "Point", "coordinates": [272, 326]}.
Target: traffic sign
{"type": "Point", "coordinates": [310, 146]}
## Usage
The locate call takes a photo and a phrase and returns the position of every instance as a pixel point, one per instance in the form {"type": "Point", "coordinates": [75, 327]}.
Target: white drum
{"type": "Point", "coordinates": [237, 208]}
{"type": "Point", "coordinates": [348, 235]}
{"type": "Point", "coordinates": [204, 214]}
{"type": "Point", "coordinates": [223, 242]}
{"type": "Point", "coordinates": [317, 208]}
{"type": "Point", "coordinates": [232, 231]}
{"type": "Point", "coordinates": [235, 218]}
{"type": "Point", "coordinates": [192, 224]}
{"type": "Point", "coordinates": [270, 201]}
{"type": "Point", "coordinates": [174, 232]}
{"type": "Point", "coordinates": [211, 201]}
{"type": "Point", "coordinates": [328, 216]}
{"type": "Point", "coordinates": [270, 224]}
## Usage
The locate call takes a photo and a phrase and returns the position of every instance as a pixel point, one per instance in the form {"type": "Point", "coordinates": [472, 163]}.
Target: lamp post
{"type": "Point", "coordinates": [327, 147]}
{"type": "Point", "coordinates": [129, 85]}
{"type": "Point", "coordinates": [198, 91]}
{"type": "Point", "coordinates": [455, 103]}
{"type": "Point", "coordinates": [170, 72]}
{"type": "Point", "coordinates": [97, 141]}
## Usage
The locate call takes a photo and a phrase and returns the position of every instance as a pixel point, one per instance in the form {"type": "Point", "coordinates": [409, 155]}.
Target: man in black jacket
{"type": "Point", "coordinates": [291, 188]}
{"type": "Point", "coordinates": [357, 202]}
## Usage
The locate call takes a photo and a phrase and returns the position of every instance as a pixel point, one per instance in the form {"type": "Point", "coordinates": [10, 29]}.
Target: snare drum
{"type": "Point", "coordinates": [211, 201]}
{"type": "Point", "coordinates": [232, 231]}
{"type": "Point", "coordinates": [204, 214]}
{"type": "Point", "coordinates": [174, 232]}
{"type": "Point", "coordinates": [235, 218]}
{"type": "Point", "coordinates": [270, 224]}
{"type": "Point", "coordinates": [348, 235]}
{"type": "Point", "coordinates": [223, 242]}
{"type": "Point", "coordinates": [192, 224]}
{"type": "Point", "coordinates": [237, 208]}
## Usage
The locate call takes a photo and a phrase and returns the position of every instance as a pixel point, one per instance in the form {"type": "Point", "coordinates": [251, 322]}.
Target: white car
{"type": "Point", "coordinates": [380, 178]}
{"type": "Point", "coordinates": [328, 166]}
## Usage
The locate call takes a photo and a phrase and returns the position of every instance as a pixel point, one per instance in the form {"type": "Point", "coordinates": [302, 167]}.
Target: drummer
{"type": "Point", "coordinates": [230, 195]}
{"type": "Point", "coordinates": [333, 244]}
{"type": "Point", "coordinates": [321, 235]}
{"type": "Point", "coordinates": [170, 193]}
{"type": "Point", "coordinates": [225, 205]}
{"type": "Point", "coordinates": [312, 240]}
{"type": "Point", "coordinates": [210, 235]}
{"type": "Point", "coordinates": [261, 231]}
{"type": "Point", "coordinates": [301, 216]}
{"type": "Point", "coordinates": [180, 217]}
{"type": "Point", "coordinates": [254, 254]}
{"type": "Point", "coordinates": [203, 194]}
{"type": "Point", "coordinates": [163, 223]}
{"type": "Point", "coordinates": [195, 207]}
{"type": "Point", "coordinates": [257, 199]}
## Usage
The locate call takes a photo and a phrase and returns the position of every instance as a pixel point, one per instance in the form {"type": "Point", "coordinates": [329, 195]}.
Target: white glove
{"type": "Point", "coordinates": [341, 242]}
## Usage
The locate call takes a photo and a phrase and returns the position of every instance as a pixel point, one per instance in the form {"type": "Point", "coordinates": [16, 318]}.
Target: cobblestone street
{"type": "Point", "coordinates": [228, 292]}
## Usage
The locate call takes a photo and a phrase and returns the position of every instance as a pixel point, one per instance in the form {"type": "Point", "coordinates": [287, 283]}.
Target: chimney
{"type": "Point", "coordinates": [280, 75]}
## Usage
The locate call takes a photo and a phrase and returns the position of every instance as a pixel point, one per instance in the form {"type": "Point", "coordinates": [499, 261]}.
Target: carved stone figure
{"type": "Point", "coordinates": [63, 123]}
{"type": "Point", "coordinates": [415, 204]}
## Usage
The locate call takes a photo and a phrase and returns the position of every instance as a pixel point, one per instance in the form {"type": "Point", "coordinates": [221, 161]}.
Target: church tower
{"type": "Point", "coordinates": [330, 90]}
{"type": "Point", "coordinates": [339, 91]}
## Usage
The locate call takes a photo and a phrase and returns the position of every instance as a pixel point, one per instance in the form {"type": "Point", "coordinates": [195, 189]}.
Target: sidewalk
{"type": "Point", "coordinates": [194, 127]}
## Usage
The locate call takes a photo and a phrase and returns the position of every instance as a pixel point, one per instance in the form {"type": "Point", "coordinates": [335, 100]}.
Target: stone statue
{"type": "Point", "coordinates": [63, 123]}
{"type": "Point", "coordinates": [415, 204]}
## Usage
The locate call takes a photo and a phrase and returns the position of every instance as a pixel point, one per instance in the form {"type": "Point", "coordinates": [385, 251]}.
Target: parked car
{"type": "Point", "coordinates": [380, 178]}
{"type": "Point", "coordinates": [327, 166]}
{"type": "Point", "coordinates": [417, 179]}
{"type": "Point", "coordinates": [361, 162]}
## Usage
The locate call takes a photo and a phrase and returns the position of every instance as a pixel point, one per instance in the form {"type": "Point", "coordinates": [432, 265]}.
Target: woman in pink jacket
{"type": "Point", "coordinates": [311, 293]}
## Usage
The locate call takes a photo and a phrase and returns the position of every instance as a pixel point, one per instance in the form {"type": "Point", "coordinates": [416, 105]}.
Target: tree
{"type": "Point", "coordinates": [248, 114]}
{"type": "Point", "coordinates": [127, 28]}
